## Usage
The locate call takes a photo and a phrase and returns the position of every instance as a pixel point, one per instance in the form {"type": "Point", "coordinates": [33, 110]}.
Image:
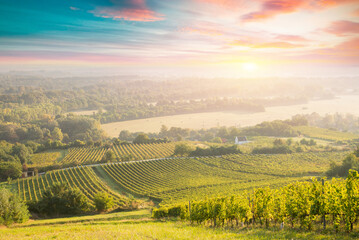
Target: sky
{"type": "Point", "coordinates": [213, 38]}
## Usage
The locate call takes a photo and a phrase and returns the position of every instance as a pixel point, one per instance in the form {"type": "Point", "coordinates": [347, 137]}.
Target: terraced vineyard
{"type": "Point", "coordinates": [82, 178]}
{"type": "Point", "coordinates": [84, 155]}
{"type": "Point", "coordinates": [180, 179]}
{"type": "Point", "coordinates": [144, 151]}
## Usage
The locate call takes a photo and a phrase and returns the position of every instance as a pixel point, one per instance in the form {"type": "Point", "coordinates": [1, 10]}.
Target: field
{"type": "Point", "coordinates": [175, 180]}
{"type": "Point", "coordinates": [183, 179]}
{"type": "Point", "coordinates": [46, 158]}
{"type": "Point", "coordinates": [139, 225]}
{"type": "Point", "coordinates": [213, 119]}
{"type": "Point", "coordinates": [92, 155]}
{"type": "Point", "coordinates": [82, 178]}
{"type": "Point", "coordinates": [326, 134]}
{"type": "Point", "coordinates": [144, 151]}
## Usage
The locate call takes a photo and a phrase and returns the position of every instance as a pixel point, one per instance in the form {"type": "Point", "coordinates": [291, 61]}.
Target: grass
{"type": "Point", "coordinates": [326, 134]}
{"type": "Point", "coordinates": [139, 225]}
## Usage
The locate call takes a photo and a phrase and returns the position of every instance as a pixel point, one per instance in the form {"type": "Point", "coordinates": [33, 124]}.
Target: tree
{"type": "Point", "coordinates": [12, 209]}
{"type": "Point", "coordinates": [182, 149]}
{"type": "Point", "coordinates": [22, 152]}
{"type": "Point", "coordinates": [109, 156]}
{"type": "Point", "coordinates": [141, 138]}
{"type": "Point", "coordinates": [103, 201]}
{"type": "Point", "coordinates": [10, 169]}
{"type": "Point", "coordinates": [57, 134]}
{"type": "Point", "coordinates": [60, 199]}
{"type": "Point", "coordinates": [125, 135]}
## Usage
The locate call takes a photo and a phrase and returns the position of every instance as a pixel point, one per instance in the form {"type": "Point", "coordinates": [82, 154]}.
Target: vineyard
{"type": "Point", "coordinates": [144, 151]}
{"type": "Point", "coordinates": [126, 152]}
{"type": "Point", "coordinates": [44, 159]}
{"type": "Point", "coordinates": [81, 156]}
{"type": "Point", "coordinates": [328, 203]}
{"type": "Point", "coordinates": [82, 178]}
{"type": "Point", "coordinates": [326, 134]}
{"type": "Point", "coordinates": [182, 179]}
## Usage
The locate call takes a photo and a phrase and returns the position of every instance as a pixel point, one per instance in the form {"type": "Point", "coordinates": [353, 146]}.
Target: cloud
{"type": "Point", "coordinates": [74, 8]}
{"type": "Point", "coordinates": [222, 3]}
{"type": "Point", "coordinates": [274, 7]}
{"type": "Point", "coordinates": [279, 44]}
{"type": "Point", "coordinates": [291, 38]}
{"type": "Point", "coordinates": [356, 13]}
{"type": "Point", "coordinates": [351, 45]}
{"type": "Point", "coordinates": [128, 10]}
{"type": "Point", "coordinates": [271, 8]}
{"type": "Point", "coordinates": [202, 31]}
{"type": "Point", "coordinates": [341, 28]}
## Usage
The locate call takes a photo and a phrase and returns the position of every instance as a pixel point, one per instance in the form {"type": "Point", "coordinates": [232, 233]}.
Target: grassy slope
{"type": "Point", "coordinates": [139, 225]}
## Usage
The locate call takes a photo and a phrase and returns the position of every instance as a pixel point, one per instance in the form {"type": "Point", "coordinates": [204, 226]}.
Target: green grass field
{"type": "Point", "coordinates": [326, 134]}
{"type": "Point", "coordinates": [139, 225]}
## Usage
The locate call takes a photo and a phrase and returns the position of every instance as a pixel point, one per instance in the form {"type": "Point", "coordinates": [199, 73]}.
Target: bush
{"type": "Point", "coordinates": [60, 200]}
{"type": "Point", "coordinates": [12, 209]}
{"type": "Point", "coordinates": [103, 201]}
{"type": "Point", "coordinates": [10, 169]}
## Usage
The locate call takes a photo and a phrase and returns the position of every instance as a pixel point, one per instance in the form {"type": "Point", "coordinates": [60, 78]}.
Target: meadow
{"type": "Point", "coordinates": [140, 225]}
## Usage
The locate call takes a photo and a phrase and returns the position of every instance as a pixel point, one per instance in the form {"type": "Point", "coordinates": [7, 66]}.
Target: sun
{"type": "Point", "coordinates": [249, 66]}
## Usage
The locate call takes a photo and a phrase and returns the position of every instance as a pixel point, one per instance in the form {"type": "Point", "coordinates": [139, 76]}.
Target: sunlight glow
{"type": "Point", "coordinates": [249, 66]}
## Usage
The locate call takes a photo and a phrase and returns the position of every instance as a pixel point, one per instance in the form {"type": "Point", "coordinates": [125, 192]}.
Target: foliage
{"type": "Point", "coordinates": [349, 162]}
{"type": "Point", "coordinates": [183, 149]}
{"type": "Point", "coordinates": [10, 169]}
{"type": "Point", "coordinates": [275, 128]}
{"type": "Point", "coordinates": [272, 150]}
{"type": "Point", "coordinates": [215, 151]}
{"type": "Point", "coordinates": [12, 209]}
{"type": "Point", "coordinates": [60, 199]}
{"type": "Point", "coordinates": [103, 201]}
{"type": "Point", "coordinates": [300, 202]}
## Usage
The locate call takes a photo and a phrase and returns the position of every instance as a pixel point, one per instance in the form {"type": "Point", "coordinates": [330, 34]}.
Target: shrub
{"type": "Point", "coordinates": [12, 209]}
{"type": "Point", "coordinates": [10, 169]}
{"type": "Point", "coordinates": [103, 201]}
{"type": "Point", "coordinates": [60, 200]}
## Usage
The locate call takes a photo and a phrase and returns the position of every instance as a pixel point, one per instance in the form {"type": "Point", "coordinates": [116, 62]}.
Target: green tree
{"type": "Point", "coordinates": [103, 201]}
{"type": "Point", "coordinates": [10, 169]}
{"type": "Point", "coordinates": [141, 138]}
{"type": "Point", "coordinates": [60, 199]}
{"type": "Point", "coordinates": [57, 134]}
{"type": "Point", "coordinates": [22, 152]}
{"type": "Point", "coordinates": [12, 209]}
{"type": "Point", "coordinates": [183, 149]}
{"type": "Point", "coordinates": [109, 156]}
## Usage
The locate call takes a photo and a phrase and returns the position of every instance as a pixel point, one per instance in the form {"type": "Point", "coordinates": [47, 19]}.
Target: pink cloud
{"type": "Point", "coordinates": [356, 13]}
{"type": "Point", "coordinates": [342, 28]}
{"type": "Point", "coordinates": [202, 31]}
{"type": "Point", "coordinates": [130, 10]}
{"type": "Point", "coordinates": [279, 44]}
{"type": "Point", "coordinates": [351, 45]}
{"type": "Point", "coordinates": [271, 8]}
{"type": "Point", "coordinates": [291, 38]}
{"type": "Point", "coordinates": [222, 3]}
{"type": "Point", "coordinates": [274, 7]}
